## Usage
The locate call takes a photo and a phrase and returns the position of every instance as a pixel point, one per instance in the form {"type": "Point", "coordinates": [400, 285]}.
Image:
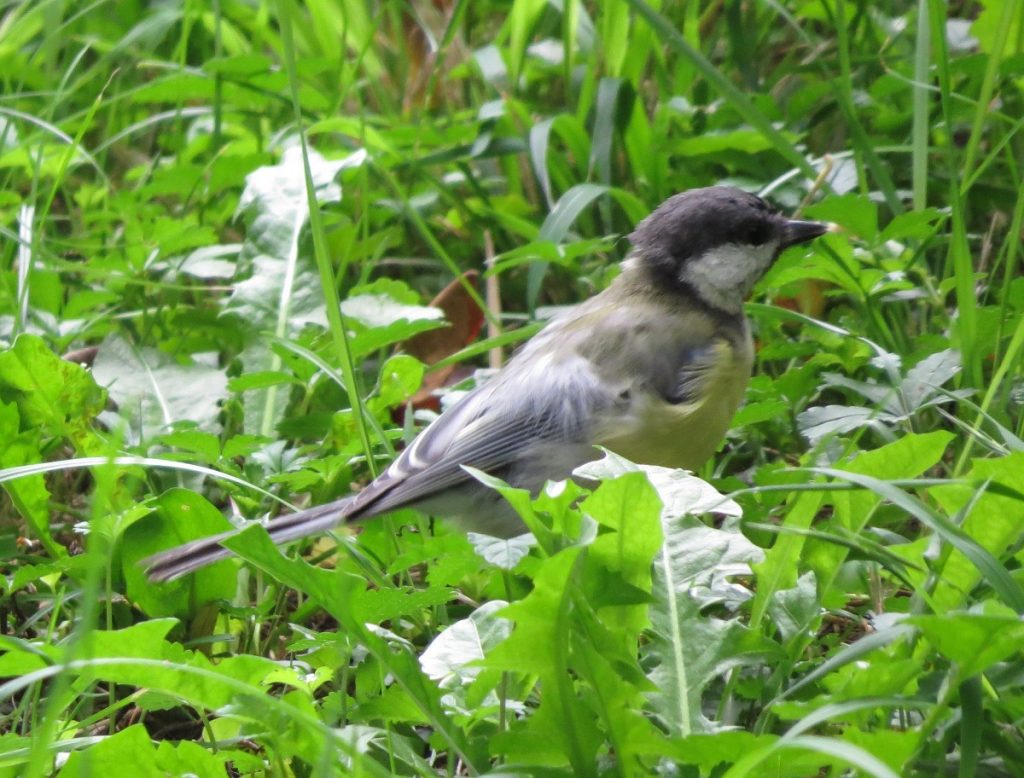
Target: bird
{"type": "Point", "coordinates": [652, 368]}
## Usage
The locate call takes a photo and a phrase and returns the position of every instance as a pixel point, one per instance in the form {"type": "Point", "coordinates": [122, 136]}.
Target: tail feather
{"type": "Point", "coordinates": [176, 562]}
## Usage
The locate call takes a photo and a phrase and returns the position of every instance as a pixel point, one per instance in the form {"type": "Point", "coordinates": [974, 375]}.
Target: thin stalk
{"type": "Point", "coordinates": [328, 283]}
{"type": "Point", "coordinates": [921, 125]}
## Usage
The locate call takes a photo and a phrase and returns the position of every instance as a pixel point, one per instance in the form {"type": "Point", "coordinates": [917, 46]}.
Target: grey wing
{"type": "Point", "coordinates": [492, 429]}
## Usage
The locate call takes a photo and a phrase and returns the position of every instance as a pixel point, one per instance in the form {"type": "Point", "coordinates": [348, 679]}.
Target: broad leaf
{"type": "Point", "coordinates": [690, 648]}
{"type": "Point", "coordinates": [153, 390]}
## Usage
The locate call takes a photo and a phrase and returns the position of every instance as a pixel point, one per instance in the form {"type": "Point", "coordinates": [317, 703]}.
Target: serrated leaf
{"type": "Point", "coordinates": [630, 506]}
{"type": "Point", "coordinates": [537, 617]}
{"type": "Point", "coordinates": [923, 380]}
{"type": "Point", "coordinates": [58, 396]}
{"type": "Point", "coordinates": [282, 292]}
{"type": "Point", "coordinates": [883, 396]}
{"type": "Point", "coordinates": [917, 225]}
{"type": "Point", "coordinates": [825, 420]}
{"type": "Point", "coordinates": [561, 727]}
{"type": "Point", "coordinates": [691, 649]}
{"type": "Point", "coordinates": [338, 593]}
{"type": "Point", "coordinates": [377, 606]}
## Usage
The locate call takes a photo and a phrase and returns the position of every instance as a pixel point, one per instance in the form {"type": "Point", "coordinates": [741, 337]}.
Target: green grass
{"type": "Point", "coordinates": [183, 186]}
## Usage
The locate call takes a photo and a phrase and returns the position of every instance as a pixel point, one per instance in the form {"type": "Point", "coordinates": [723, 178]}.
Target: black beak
{"type": "Point", "coordinates": [801, 232]}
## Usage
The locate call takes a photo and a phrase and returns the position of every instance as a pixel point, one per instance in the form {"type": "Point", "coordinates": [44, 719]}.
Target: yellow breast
{"type": "Point", "coordinates": [685, 435]}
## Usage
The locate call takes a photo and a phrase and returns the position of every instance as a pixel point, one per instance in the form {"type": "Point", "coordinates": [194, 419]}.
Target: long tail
{"type": "Point", "coordinates": [176, 562]}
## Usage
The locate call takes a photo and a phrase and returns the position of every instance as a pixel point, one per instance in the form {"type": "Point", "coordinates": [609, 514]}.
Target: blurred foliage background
{"type": "Point", "coordinates": [190, 188]}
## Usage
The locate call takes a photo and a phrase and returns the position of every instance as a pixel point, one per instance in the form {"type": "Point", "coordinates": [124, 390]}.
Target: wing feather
{"type": "Point", "coordinates": [491, 429]}
{"type": "Point", "coordinates": [696, 366]}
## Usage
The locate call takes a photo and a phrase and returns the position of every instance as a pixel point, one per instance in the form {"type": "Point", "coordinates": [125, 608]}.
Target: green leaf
{"type": "Point", "coordinates": [377, 306]}
{"type": "Point", "coordinates": [671, 38]}
{"type": "Point", "coordinates": [611, 109]}
{"type": "Point", "coordinates": [975, 640]}
{"type": "Point", "coordinates": [793, 610]}
{"type": "Point", "coordinates": [715, 750]}
{"type": "Point", "coordinates": [989, 25]}
{"type": "Point", "coordinates": [504, 553]}
{"type": "Point", "coordinates": [630, 506]}
{"type": "Point", "coordinates": [186, 756]}
{"type": "Point", "coordinates": [540, 138]}
{"type": "Point", "coordinates": [180, 516]}
{"type": "Point", "coordinates": [400, 376]}
{"type": "Point", "coordinates": [282, 292]}
{"type": "Point", "coordinates": [521, 19]}
{"type": "Point", "coordinates": [111, 653]}
{"type": "Point", "coordinates": [691, 649]}
{"type": "Point", "coordinates": [972, 724]}
{"type": "Point", "coordinates": [923, 380]}
{"type": "Point", "coordinates": [533, 647]}
{"type": "Point", "coordinates": [857, 213]}
{"type": "Point", "coordinates": [556, 226]}
{"type": "Point", "coordinates": [824, 421]}
{"type": "Point", "coordinates": [260, 380]}
{"type": "Point", "coordinates": [747, 141]}
{"type": "Point", "coordinates": [340, 594]}
{"type": "Point", "coordinates": [203, 446]}
{"type": "Point", "coordinates": [988, 566]}
{"type": "Point", "coordinates": [850, 653]}
{"type": "Point", "coordinates": [908, 457]}
{"type": "Point", "coordinates": [129, 746]}
{"type": "Point", "coordinates": [380, 320]}
{"type": "Point", "coordinates": [453, 658]}
{"type": "Point", "coordinates": [377, 606]}
{"type": "Point", "coordinates": [211, 262]}
{"type": "Point", "coordinates": [154, 390]}
{"type": "Point", "coordinates": [58, 396]}
{"type": "Point", "coordinates": [568, 208]}
{"type": "Point", "coordinates": [561, 730]}
{"type": "Point", "coordinates": [28, 494]}
{"type": "Point", "coordinates": [995, 523]}
{"type": "Point", "coordinates": [916, 225]}
{"type": "Point", "coordinates": [779, 568]}
{"type": "Point", "coordinates": [283, 285]}
{"type": "Point", "coordinates": [835, 749]}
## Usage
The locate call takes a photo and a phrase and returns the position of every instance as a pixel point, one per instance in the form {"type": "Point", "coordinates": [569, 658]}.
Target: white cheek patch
{"type": "Point", "coordinates": [725, 275]}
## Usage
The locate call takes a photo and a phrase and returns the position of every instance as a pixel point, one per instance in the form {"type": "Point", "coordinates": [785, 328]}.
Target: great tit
{"type": "Point", "coordinates": [652, 368]}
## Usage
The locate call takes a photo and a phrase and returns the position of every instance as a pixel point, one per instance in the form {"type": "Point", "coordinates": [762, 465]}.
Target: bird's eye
{"type": "Point", "coordinates": [756, 234]}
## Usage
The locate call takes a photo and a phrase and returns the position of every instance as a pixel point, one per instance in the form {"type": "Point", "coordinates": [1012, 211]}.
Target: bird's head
{"type": "Point", "coordinates": [717, 241]}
